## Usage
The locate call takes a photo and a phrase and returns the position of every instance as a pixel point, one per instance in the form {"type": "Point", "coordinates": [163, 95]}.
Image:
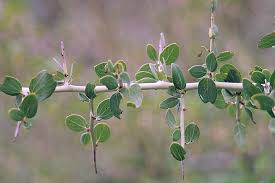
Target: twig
{"type": "Point", "coordinates": [92, 122]}
{"type": "Point", "coordinates": [182, 128]}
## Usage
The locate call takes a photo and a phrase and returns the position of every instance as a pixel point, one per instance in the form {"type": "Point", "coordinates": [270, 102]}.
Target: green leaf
{"type": "Point", "coordinates": [109, 67]}
{"type": "Point", "coordinates": [239, 134]}
{"type": "Point", "coordinates": [147, 80]}
{"type": "Point", "coordinates": [249, 89]}
{"type": "Point", "coordinates": [177, 77]}
{"type": "Point", "coordinates": [90, 91]}
{"type": "Point", "coordinates": [145, 67]}
{"type": "Point", "coordinates": [220, 101]}
{"type": "Point", "coordinates": [170, 119]}
{"type": "Point", "coordinates": [103, 110]}
{"type": "Point", "coordinates": [151, 52]}
{"type": "Point", "coordinates": [271, 125]}
{"type": "Point", "coordinates": [211, 62]}
{"type": "Point", "coordinates": [109, 81]}
{"type": "Point", "coordinates": [59, 76]}
{"type": "Point", "coordinates": [264, 102]}
{"type": "Point", "coordinates": [267, 41]}
{"type": "Point", "coordinates": [233, 76]}
{"type": "Point", "coordinates": [267, 74]}
{"type": "Point", "coordinates": [102, 132]}
{"type": "Point", "coordinates": [120, 66]}
{"type": "Point", "coordinates": [29, 106]}
{"type": "Point", "coordinates": [124, 76]}
{"type": "Point", "coordinates": [220, 77]}
{"type": "Point", "coordinates": [100, 69]}
{"type": "Point", "coordinates": [250, 114]}
{"type": "Point", "coordinates": [272, 80]}
{"type": "Point", "coordinates": [135, 95]}
{"type": "Point", "coordinates": [197, 71]}
{"type": "Point", "coordinates": [11, 86]}
{"type": "Point", "coordinates": [143, 74]}
{"type": "Point", "coordinates": [224, 56]}
{"type": "Point", "coordinates": [258, 77]}
{"type": "Point", "coordinates": [177, 151]}
{"type": "Point", "coordinates": [176, 135]}
{"type": "Point", "coordinates": [173, 92]}
{"type": "Point", "coordinates": [76, 123]}
{"type": "Point", "coordinates": [207, 90]}
{"type": "Point", "coordinates": [43, 85]}
{"type": "Point", "coordinates": [226, 68]}
{"type": "Point", "coordinates": [85, 138]}
{"type": "Point", "coordinates": [170, 54]}
{"type": "Point", "coordinates": [169, 103]}
{"type": "Point", "coordinates": [192, 133]}
{"type": "Point", "coordinates": [114, 104]}
{"type": "Point", "coordinates": [82, 97]}
{"type": "Point", "coordinates": [16, 114]}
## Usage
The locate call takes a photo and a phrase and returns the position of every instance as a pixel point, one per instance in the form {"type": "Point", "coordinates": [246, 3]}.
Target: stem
{"type": "Point", "coordinates": [238, 109]}
{"type": "Point", "coordinates": [182, 139]}
{"type": "Point", "coordinates": [212, 38]}
{"type": "Point", "coordinates": [92, 122]}
{"type": "Point", "coordinates": [160, 85]}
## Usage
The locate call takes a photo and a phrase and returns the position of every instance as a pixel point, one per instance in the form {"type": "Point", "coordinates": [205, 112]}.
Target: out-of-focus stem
{"type": "Point", "coordinates": [92, 123]}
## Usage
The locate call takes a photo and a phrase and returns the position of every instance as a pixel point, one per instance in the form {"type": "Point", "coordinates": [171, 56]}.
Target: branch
{"type": "Point", "coordinates": [160, 85]}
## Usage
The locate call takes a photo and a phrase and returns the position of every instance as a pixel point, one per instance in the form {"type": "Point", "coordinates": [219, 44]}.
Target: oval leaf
{"type": "Point", "coordinates": [264, 102]}
{"type": "Point", "coordinates": [102, 132]}
{"type": "Point", "coordinates": [11, 86]}
{"type": "Point", "coordinates": [224, 56]}
{"type": "Point", "coordinates": [90, 91]}
{"type": "Point", "coordinates": [109, 81]}
{"type": "Point", "coordinates": [211, 62]}
{"type": "Point", "coordinates": [16, 114]}
{"type": "Point", "coordinates": [177, 151]}
{"type": "Point", "coordinates": [267, 41]}
{"type": "Point", "coordinates": [29, 106]}
{"type": "Point", "coordinates": [143, 74]}
{"type": "Point", "coordinates": [177, 77]}
{"type": "Point", "coordinates": [176, 135]}
{"type": "Point", "coordinates": [169, 103]}
{"type": "Point", "coordinates": [249, 89]}
{"type": "Point", "coordinates": [76, 123]}
{"type": "Point", "coordinates": [207, 90]}
{"type": "Point", "coordinates": [258, 77]}
{"type": "Point", "coordinates": [104, 110]}
{"type": "Point", "coordinates": [192, 133]}
{"type": "Point", "coordinates": [151, 52]}
{"type": "Point", "coordinates": [85, 138]}
{"type": "Point", "coordinates": [170, 54]}
{"type": "Point", "coordinates": [114, 104]}
{"type": "Point", "coordinates": [197, 71]}
{"type": "Point", "coordinates": [43, 85]}
{"type": "Point", "coordinates": [170, 119]}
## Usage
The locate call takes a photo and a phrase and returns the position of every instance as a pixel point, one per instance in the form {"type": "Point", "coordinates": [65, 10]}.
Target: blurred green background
{"type": "Point", "coordinates": [138, 151]}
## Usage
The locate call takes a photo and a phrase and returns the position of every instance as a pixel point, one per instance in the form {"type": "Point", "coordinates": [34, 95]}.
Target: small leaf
{"type": "Point", "coordinates": [124, 76]}
{"type": "Point", "coordinates": [239, 134]}
{"type": "Point", "coordinates": [151, 52]}
{"type": "Point", "coordinates": [197, 71]}
{"type": "Point", "coordinates": [233, 76]}
{"type": "Point", "coordinates": [267, 41]}
{"type": "Point", "coordinates": [143, 74]}
{"type": "Point", "coordinates": [29, 106]}
{"type": "Point", "coordinates": [173, 92]}
{"type": "Point", "coordinates": [145, 67]}
{"type": "Point", "coordinates": [220, 101]}
{"type": "Point", "coordinates": [146, 80]}
{"type": "Point", "coordinates": [192, 133]}
{"type": "Point", "coordinates": [109, 81]}
{"type": "Point", "coordinates": [267, 74]}
{"type": "Point", "coordinates": [114, 104]}
{"type": "Point", "coordinates": [224, 56]}
{"type": "Point", "coordinates": [43, 85]}
{"type": "Point", "coordinates": [264, 102]}
{"type": "Point", "coordinates": [11, 86]}
{"type": "Point", "coordinates": [170, 54]}
{"type": "Point", "coordinates": [82, 97]}
{"type": "Point", "coordinates": [169, 103]}
{"type": "Point", "coordinates": [120, 66]}
{"type": "Point", "coordinates": [59, 77]}
{"type": "Point", "coordinates": [249, 89]}
{"type": "Point", "coordinates": [271, 125]}
{"type": "Point", "coordinates": [100, 69]}
{"type": "Point", "coordinates": [109, 67]}
{"type": "Point", "coordinates": [104, 110]}
{"type": "Point", "coordinates": [258, 77]}
{"type": "Point", "coordinates": [16, 114]}
{"type": "Point", "coordinates": [226, 68]}
{"type": "Point", "coordinates": [76, 123]}
{"type": "Point", "coordinates": [102, 132]}
{"type": "Point", "coordinates": [211, 62]}
{"type": "Point", "coordinates": [176, 135]}
{"type": "Point", "coordinates": [272, 80]}
{"type": "Point", "coordinates": [177, 77]}
{"type": "Point", "coordinates": [135, 95]}
{"type": "Point", "coordinates": [177, 151]}
{"type": "Point", "coordinates": [170, 119]}
{"type": "Point", "coordinates": [85, 138]}
{"type": "Point", "coordinates": [90, 91]}
{"type": "Point", "coordinates": [207, 90]}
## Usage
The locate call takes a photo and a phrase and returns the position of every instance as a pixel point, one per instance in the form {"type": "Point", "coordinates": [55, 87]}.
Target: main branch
{"type": "Point", "coordinates": [160, 85]}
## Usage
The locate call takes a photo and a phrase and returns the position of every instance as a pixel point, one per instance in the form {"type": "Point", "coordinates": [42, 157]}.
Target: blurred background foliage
{"type": "Point", "coordinates": [138, 151]}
